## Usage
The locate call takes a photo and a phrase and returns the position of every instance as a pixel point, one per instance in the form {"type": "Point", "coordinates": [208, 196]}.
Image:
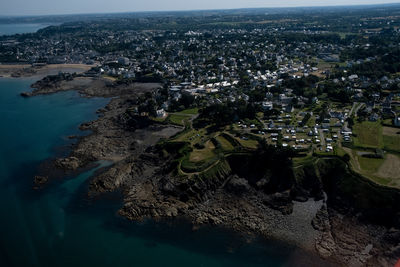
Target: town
{"type": "Point", "coordinates": [312, 88]}
{"type": "Point", "coordinates": [283, 123]}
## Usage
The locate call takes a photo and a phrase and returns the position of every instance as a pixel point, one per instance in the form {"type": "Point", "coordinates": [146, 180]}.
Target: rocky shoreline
{"type": "Point", "coordinates": [150, 188]}
{"type": "Point", "coordinates": [26, 70]}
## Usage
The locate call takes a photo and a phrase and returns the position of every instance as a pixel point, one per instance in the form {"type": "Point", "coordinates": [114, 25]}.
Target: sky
{"type": "Point", "coordinates": [52, 7]}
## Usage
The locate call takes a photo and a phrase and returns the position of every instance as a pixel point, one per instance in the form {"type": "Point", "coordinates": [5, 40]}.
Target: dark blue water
{"type": "Point", "coordinates": [59, 226]}
{"type": "Point", "coordinates": [10, 29]}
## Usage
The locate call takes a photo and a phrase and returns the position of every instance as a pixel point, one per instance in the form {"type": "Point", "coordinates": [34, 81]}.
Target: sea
{"type": "Point", "coordinates": [19, 28]}
{"type": "Point", "coordinates": [59, 225]}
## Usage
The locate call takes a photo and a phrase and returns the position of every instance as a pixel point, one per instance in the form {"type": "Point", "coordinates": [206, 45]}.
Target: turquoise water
{"type": "Point", "coordinates": [59, 226]}
{"type": "Point", "coordinates": [9, 29]}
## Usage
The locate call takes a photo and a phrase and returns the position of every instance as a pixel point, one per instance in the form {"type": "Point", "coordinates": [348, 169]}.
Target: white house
{"type": "Point", "coordinates": [161, 113]}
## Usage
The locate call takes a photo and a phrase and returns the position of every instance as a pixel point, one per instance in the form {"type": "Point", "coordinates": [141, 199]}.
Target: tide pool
{"type": "Point", "coordinates": [59, 226]}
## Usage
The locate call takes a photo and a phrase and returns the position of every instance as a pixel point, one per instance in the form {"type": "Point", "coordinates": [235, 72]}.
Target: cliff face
{"type": "Point", "coordinates": [349, 191]}
{"type": "Point", "coordinates": [355, 223]}
{"type": "Point", "coordinates": [360, 222]}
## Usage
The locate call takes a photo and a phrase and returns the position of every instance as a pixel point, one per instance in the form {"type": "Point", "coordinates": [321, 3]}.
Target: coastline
{"type": "Point", "coordinates": [139, 172]}
{"type": "Point", "coordinates": [131, 148]}
{"type": "Point", "coordinates": [27, 70]}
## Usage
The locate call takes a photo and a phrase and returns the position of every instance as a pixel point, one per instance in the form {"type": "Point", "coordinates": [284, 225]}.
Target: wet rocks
{"type": "Point", "coordinates": [70, 163]}
{"type": "Point", "coordinates": [26, 94]}
{"type": "Point", "coordinates": [280, 201]}
{"type": "Point", "coordinates": [40, 180]}
{"type": "Point", "coordinates": [321, 220]}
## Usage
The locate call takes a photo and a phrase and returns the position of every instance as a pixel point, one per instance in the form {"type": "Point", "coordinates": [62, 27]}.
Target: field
{"type": "Point", "coordinates": [391, 143]}
{"type": "Point", "coordinates": [391, 170]}
{"type": "Point", "coordinates": [203, 154]}
{"type": "Point", "coordinates": [226, 145]}
{"type": "Point", "coordinates": [391, 138]}
{"type": "Point", "coordinates": [382, 171]}
{"type": "Point", "coordinates": [370, 165]}
{"type": "Point", "coordinates": [391, 131]}
{"type": "Point", "coordinates": [178, 119]}
{"type": "Point", "coordinates": [182, 118]}
{"type": "Point", "coordinates": [192, 111]}
{"type": "Point", "coordinates": [369, 135]}
{"type": "Point", "coordinates": [191, 136]}
{"type": "Point", "coordinates": [251, 144]}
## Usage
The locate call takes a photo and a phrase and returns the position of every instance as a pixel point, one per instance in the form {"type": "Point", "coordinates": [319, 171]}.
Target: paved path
{"type": "Point", "coordinates": [355, 108]}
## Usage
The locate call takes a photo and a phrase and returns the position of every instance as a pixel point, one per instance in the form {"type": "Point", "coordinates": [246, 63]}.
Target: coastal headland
{"type": "Point", "coordinates": [28, 70]}
{"type": "Point", "coordinates": [310, 205]}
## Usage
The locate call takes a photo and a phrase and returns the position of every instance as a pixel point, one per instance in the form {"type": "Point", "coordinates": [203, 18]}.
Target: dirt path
{"type": "Point", "coordinates": [354, 161]}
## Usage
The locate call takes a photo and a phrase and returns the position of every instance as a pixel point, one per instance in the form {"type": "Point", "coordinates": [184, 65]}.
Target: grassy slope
{"type": "Point", "coordinates": [181, 118]}
{"type": "Point", "coordinates": [226, 145]}
{"type": "Point", "coordinates": [178, 119]}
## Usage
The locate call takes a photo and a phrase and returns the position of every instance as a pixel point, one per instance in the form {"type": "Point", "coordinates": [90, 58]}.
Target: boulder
{"type": "Point", "coordinates": [237, 185]}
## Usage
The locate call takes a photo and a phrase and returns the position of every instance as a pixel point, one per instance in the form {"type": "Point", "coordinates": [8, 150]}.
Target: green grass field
{"type": "Point", "coordinates": [226, 145]}
{"type": "Point", "coordinates": [370, 165]}
{"type": "Point", "coordinates": [369, 168]}
{"type": "Point", "coordinates": [252, 144]}
{"type": "Point", "coordinates": [181, 118]}
{"type": "Point", "coordinates": [391, 143]}
{"type": "Point", "coordinates": [178, 119]}
{"type": "Point", "coordinates": [369, 135]}
{"type": "Point", "coordinates": [199, 155]}
{"type": "Point", "coordinates": [192, 111]}
{"type": "Point", "coordinates": [191, 136]}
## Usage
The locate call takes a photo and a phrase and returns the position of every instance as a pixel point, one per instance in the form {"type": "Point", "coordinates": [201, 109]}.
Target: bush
{"type": "Point", "coordinates": [346, 157]}
{"type": "Point", "coordinates": [199, 146]}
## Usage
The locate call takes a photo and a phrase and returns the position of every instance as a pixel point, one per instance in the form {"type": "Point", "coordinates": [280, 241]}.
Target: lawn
{"type": "Point", "coordinates": [178, 119]}
{"type": "Point", "coordinates": [392, 143]}
{"type": "Point", "coordinates": [226, 145]}
{"type": "Point", "coordinates": [191, 136]}
{"type": "Point", "coordinates": [369, 134]}
{"type": "Point", "coordinates": [192, 111]}
{"type": "Point", "coordinates": [201, 154]}
{"type": "Point", "coordinates": [252, 144]}
{"type": "Point", "coordinates": [370, 168]}
{"type": "Point", "coordinates": [370, 165]}
{"type": "Point", "coordinates": [162, 119]}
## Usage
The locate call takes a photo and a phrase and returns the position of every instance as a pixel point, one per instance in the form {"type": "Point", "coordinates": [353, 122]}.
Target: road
{"type": "Point", "coordinates": [321, 136]}
{"type": "Point", "coordinates": [354, 109]}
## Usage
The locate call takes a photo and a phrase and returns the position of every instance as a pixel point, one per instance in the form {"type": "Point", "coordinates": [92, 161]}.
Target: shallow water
{"type": "Point", "coordinates": [59, 226]}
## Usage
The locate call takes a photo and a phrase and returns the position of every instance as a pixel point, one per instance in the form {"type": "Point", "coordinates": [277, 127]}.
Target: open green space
{"type": "Point", "coordinates": [368, 134]}
{"type": "Point", "coordinates": [382, 171]}
{"type": "Point", "coordinates": [192, 111]}
{"type": "Point", "coordinates": [198, 155]}
{"type": "Point", "coordinates": [226, 145]}
{"type": "Point", "coordinates": [392, 143]}
{"type": "Point", "coordinates": [250, 143]}
{"type": "Point", "coordinates": [182, 118]}
{"type": "Point", "coordinates": [178, 119]}
{"type": "Point", "coordinates": [370, 165]}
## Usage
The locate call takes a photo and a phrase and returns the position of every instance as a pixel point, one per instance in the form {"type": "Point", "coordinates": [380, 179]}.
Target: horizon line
{"type": "Point", "coordinates": [193, 10]}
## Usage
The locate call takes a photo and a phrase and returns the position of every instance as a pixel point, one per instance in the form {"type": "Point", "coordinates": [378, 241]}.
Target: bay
{"type": "Point", "coordinates": [19, 28]}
